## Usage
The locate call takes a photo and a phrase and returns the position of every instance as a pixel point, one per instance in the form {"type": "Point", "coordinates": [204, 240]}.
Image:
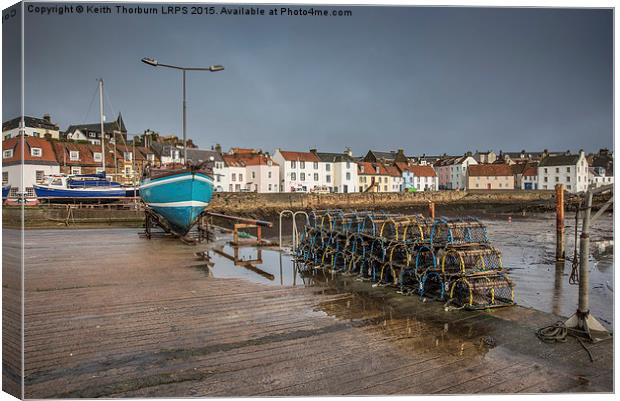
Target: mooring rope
{"type": "Point", "coordinates": [558, 332]}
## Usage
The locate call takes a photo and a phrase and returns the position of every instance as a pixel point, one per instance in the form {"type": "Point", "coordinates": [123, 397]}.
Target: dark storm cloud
{"type": "Point", "coordinates": [428, 80]}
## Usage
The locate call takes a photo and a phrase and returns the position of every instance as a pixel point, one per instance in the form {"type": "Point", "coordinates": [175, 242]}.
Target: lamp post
{"type": "Point", "coordinates": [213, 68]}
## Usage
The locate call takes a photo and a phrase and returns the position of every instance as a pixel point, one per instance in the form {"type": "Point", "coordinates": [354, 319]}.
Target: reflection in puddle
{"type": "Point", "coordinates": [258, 265]}
{"type": "Point", "coordinates": [406, 332]}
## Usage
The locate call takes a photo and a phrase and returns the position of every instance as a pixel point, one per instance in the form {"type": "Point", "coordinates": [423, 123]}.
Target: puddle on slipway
{"type": "Point", "coordinates": [528, 245]}
{"type": "Point", "coordinates": [258, 265]}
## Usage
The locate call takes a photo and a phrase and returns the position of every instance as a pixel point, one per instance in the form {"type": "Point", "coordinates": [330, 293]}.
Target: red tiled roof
{"type": "Point", "coordinates": [368, 168]}
{"type": "Point", "coordinates": [255, 159]}
{"type": "Point", "coordinates": [47, 151]}
{"type": "Point", "coordinates": [416, 169]}
{"type": "Point", "coordinates": [393, 171]}
{"type": "Point", "coordinates": [423, 171]}
{"type": "Point", "coordinates": [299, 156]}
{"type": "Point", "coordinates": [489, 170]}
{"type": "Point", "coordinates": [531, 171]}
{"type": "Point", "coordinates": [232, 161]}
{"type": "Point", "coordinates": [86, 154]}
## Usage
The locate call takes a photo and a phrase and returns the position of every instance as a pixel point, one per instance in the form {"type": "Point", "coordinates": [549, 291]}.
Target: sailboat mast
{"type": "Point", "coordinates": [101, 124]}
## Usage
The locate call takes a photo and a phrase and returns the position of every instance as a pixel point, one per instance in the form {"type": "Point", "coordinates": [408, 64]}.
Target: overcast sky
{"type": "Point", "coordinates": [429, 80]}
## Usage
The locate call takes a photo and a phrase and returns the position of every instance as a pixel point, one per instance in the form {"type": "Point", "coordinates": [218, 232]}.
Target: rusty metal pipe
{"type": "Point", "coordinates": [559, 222]}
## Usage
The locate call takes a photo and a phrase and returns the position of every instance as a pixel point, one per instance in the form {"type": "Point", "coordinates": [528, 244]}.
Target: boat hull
{"type": "Point", "coordinates": [5, 191]}
{"type": "Point", "coordinates": [46, 192]}
{"type": "Point", "coordinates": [178, 198]}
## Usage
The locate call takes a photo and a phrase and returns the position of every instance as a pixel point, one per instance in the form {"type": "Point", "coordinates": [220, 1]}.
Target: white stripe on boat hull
{"type": "Point", "coordinates": [180, 204]}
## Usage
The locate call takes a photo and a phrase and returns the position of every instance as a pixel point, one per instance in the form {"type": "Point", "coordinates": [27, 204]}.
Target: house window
{"type": "Point", "coordinates": [568, 169]}
{"type": "Point", "coordinates": [218, 177]}
{"type": "Point", "coordinates": [557, 170]}
{"type": "Point", "coordinates": [91, 134]}
{"type": "Point", "coordinates": [328, 167]}
{"type": "Point", "coordinates": [230, 188]}
{"type": "Point", "coordinates": [269, 187]}
{"type": "Point", "coordinates": [240, 177]}
{"type": "Point", "coordinates": [36, 152]}
{"type": "Point", "coordinates": [128, 171]}
{"type": "Point", "coordinates": [316, 176]}
{"type": "Point", "coordinates": [567, 178]}
{"type": "Point", "coordinates": [97, 156]}
{"type": "Point", "coordinates": [545, 179]}
{"type": "Point", "coordinates": [74, 155]}
{"type": "Point", "coordinates": [40, 175]}
{"type": "Point", "coordinates": [302, 176]}
{"type": "Point", "coordinates": [7, 154]}
{"type": "Point", "coordinates": [5, 177]}
{"type": "Point", "coordinates": [328, 178]}
{"type": "Point", "coordinates": [348, 164]}
{"type": "Point", "coordinates": [293, 176]}
{"type": "Point", "coordinates": [233, 177]}
{"type": "Point", "coordinates": [253, 174]}
{"type": "Point", "coordinates": [128, 156]}
{"type": "Point", "coordinates": [545, 170]}
{"type": "Point", "coordinates": [237, 187]}
{"type": "Point", "coordinates": [557, 179]}
{"type": "Point", "coordinates": [348, 176]}
{"type": "Point", "coordinates": [76, 170]}
{"type": "Point", "coordinates": [269, 174]}
{"type": "Point", "coordinates": [293, 164]}
{"type": "Point", "coordinates": [302, 164]}
{"type": "Point", "coordinates": [36, 134]}
{"type": "Point", "coordinates": [316, 165]}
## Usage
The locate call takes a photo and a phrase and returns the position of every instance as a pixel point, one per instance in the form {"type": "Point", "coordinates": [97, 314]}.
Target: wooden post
{"type": "Point", "coordinates": [431, 209]}
{"type": "Point", "coordinates": [559, 214]}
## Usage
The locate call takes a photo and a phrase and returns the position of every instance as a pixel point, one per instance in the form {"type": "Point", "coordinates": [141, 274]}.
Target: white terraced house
{"type": "Point", "coordinates": [570, 170]}
{"type": "Point", "coordinates": [236, 172]}
{"type": "Point", "coordinates": [262, 172]}
{"type": "Point", "coordinates": [300, 171]}
{"type": "Point", "coordinates": [340, 171]}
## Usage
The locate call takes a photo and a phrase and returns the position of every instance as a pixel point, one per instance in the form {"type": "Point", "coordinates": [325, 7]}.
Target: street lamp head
{"type": "Point", "coordinates": [216, 68]}
{"type": "Point", "coordinates": [150, 61]}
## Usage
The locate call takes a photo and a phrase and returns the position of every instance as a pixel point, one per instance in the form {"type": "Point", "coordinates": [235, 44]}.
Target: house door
{"type": "Point", "coordinates": [346, 189]}
{"type": "Point", "coordinates": [489, 186]}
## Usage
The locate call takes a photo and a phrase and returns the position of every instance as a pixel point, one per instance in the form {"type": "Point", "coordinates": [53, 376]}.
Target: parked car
{"type": "Point", "coordinates": [320, 189]}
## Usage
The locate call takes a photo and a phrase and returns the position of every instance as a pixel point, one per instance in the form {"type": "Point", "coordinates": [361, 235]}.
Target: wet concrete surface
{"type": "Point", "coordinates": [109, 314]}
{"type": "Point", "coordinates": [528, 246]}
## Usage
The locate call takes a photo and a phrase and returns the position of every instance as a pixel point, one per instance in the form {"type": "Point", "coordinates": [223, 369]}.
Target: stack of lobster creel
{"type": "Point", "coordinates": [447, 259]}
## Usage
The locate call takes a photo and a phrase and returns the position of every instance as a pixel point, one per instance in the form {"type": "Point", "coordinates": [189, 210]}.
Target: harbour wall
{"type": "Point", "coordinates": [267, 205]}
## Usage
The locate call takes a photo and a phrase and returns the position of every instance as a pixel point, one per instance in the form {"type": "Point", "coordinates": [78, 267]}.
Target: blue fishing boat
{"type": "Point", "coordinates": [74, 187]}
{"type": "Point", "coordinates": [5, 191]}
{"type": "Point", "coordinates": [179, 196]}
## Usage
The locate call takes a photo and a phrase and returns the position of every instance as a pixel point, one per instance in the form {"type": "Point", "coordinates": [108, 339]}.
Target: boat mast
{"type": "Point", "coordinates": [101, 124]}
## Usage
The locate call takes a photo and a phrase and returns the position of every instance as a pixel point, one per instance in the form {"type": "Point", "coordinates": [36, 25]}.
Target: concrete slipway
{"type": "Point", "coordinates": [109, 314]}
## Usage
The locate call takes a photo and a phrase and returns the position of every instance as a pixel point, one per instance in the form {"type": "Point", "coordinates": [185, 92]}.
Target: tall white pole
{"type": "Point", "coordinates": [184, 123]}
{"type": "Point", "coordinates": [101, 124]}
